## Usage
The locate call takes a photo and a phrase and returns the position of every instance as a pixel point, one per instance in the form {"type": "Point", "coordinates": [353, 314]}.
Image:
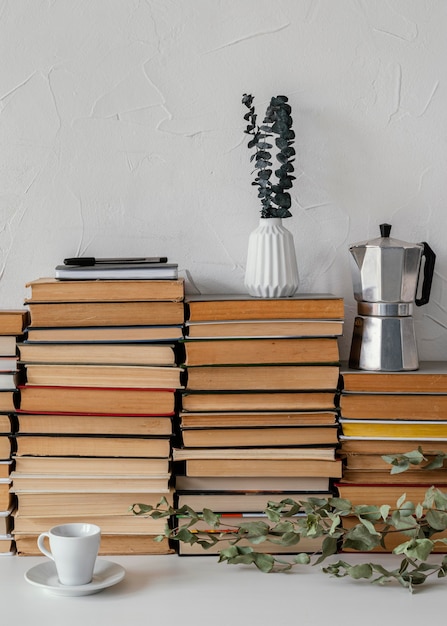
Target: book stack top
{"type": "Point", "coordinates": [233, 341]}
{"type": "Point", "coordinates": [140, 309]}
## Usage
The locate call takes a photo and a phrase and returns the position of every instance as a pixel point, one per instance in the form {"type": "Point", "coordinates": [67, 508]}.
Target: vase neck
{"type": "Point", "coordinates": [272, 221]}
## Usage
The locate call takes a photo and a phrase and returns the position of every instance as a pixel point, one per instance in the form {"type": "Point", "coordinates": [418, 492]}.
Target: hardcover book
{"type": "Point", "coordinates": [263, 328]}
{"type": "Point", "coordinates": [98, 353]}
{"type": "Point", "coordinates": [105, 313]}
{"type": "Point", "coordinates": [215, 307]}
{"type": "Point", "coordinates": [261, 351]}
{"type": "Point", "coordinates": [257, 401]}
{"type": "Point", "coordinates": [263, 378]}
{"type": "Point", "coordinates": [53, 290]}
{"type": "Point", "coordinates": [96, 400]}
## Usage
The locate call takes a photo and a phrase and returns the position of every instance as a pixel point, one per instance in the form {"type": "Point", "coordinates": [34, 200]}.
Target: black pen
{"type": "Point", "coordinates": [91, 260]}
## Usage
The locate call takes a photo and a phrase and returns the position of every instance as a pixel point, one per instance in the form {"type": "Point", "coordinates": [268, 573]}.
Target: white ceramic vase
{"type": "Point", "coordinates": [271, 270]}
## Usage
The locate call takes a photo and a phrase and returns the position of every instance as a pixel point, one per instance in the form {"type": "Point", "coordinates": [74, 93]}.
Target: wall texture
{"type": "Point", "coordinates": [121, 133]}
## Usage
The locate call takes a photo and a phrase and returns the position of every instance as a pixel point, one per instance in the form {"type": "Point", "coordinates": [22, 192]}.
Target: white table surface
{"type": "Point", "coordinates": [198, 590]}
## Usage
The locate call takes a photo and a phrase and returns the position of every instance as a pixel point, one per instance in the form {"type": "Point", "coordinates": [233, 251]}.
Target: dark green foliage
{"type": "Point", "coordinates": [276, 129]}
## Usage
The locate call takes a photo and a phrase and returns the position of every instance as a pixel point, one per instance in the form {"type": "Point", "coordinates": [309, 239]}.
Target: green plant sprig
{"type": "Point", "coordinates": [402, 462]}
{"type": "Point", "coordinates": [288, 521]}
{"type": "Point", "coordinates": [275, 198]}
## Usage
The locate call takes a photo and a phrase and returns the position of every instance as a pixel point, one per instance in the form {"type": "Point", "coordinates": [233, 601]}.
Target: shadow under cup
{"type": "Point", "coordinates": [73, 548]}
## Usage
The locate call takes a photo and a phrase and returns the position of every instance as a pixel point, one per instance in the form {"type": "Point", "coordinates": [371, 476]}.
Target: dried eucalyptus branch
{"type": "Point", "coordinates": [287, 522]}
{"type": "Point", "coordinates": [275, 198]}
{"type": "Point", "coordinates": [402, 462]}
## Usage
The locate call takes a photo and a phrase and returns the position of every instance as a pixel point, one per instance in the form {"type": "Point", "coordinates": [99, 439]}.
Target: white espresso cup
{"type": "Point", "coordinates": [73, 548]}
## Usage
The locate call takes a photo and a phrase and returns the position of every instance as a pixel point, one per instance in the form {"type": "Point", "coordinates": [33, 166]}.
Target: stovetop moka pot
{"type": "Point", "coordinates": [386, 275]}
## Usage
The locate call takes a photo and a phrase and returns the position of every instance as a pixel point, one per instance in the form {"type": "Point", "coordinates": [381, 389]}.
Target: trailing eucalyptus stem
{"type": "Point", "coordinates": [275, 198]}
{"type": "Point", "coordinates": [339, 525]}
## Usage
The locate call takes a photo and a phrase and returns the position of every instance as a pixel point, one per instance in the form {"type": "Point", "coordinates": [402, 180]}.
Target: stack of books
{"type": "Point", "coordinates": [96, 408]}
{"type": "Point", "coordinates": [12, 328]}
{"type": "Point", "coordinates": [391, 413]}
{"type": "Point", "coordinates": [258, 416]}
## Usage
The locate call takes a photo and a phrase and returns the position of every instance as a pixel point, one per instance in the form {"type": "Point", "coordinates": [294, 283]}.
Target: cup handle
{"type": "Point", "coordinates": [41, 546]}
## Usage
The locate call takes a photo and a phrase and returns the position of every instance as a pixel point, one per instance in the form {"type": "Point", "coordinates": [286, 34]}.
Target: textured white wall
{"type": "Point", "coordinates": [121, 133]}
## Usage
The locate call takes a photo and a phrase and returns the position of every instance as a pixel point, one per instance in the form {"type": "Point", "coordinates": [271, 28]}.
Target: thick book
{"type": "Point", "coordinates": [263, 467]}
{"type": "Point", "coordinates": [44, 483]}
{"type": "Point", "coordinates": [9, 380]}
{"type": "Point", "coordinates": [8, 345]}
{"type": "Point", "coordinates": [104, 334]}
{"type": "Point", "coordinates": [44, 504]}
{"type": "Point", "coordinates": [96, 400]}
{"type": "Point", "coordinates": [326, 453]}
{"type": "Point", "coordinates": [262, 377]}
{"type": "Point", "coordinates": [263, 328]}
{"type": "Point", "coordinates": [258, 401]}
{"type": "Point", "coordinates": [259, 461]}
{"type": "Point", "coordinates": [7, 545]}
{"type": "Point", "coordinates": [214, 307]}
{"type": "Point", "coordinates": [375, 462]}
{"type": "Point", "coordinates": [351, 445]}
{"type": "Point", "coordinates": [118, 271]}
{"type": "Point", "coordinates": [160, 354]}
{"type": "Point", "coordinates": [111, 544]}
{"type": "Point", "coordinates": [105, 313]}
{"type": "Point", "coordinates": [261, 351]}
{"type": "Point", "coordinates": [372, 476]}
{"type": "Point", "coordinates": [252, 419]}
{"type": "Point", "coordinates": [13, 321]}
{"type": "Point", "coordinates": [55, 445]}
{"type": "Point", "coordinates": [399, 406]}
{"type": "Point", "coordinates": [379, 494]}
{"type": "Point", "coordinates": [117, 524]}
{"type": "Point", "coordinates": [245, 502]}
{"type": "Point", "coordinates": [430, 378]}
{"type": "Point", "coordinates": [262, 436]}
{"type": "Point", "coordinates": [104, 375]}
{"type": "Point", "coordinates": [6, 497]}
{"type": "Point", "coordinates": [6, 422]}
{"type": "Point", "coordinates": [5, 448]}
{"type": "Point", "coordinates": [8, 400]}
{"type": "Point", "coordinates": [53, 290]}
{"type": "Point", "coordinates": [308, 484]}
{"type": "Point", "coordinates": [5, 468]}
{"type": "Point", "coordinates": [8, 364]}
{"type": "Point", "coordinates": [92, 466]}
{"type": "Point", "coordinates": [397, 429]}
{"type": "Point", "coordinates": [6, 522]}
{"type": "Point", "coordinates": [63, 424]}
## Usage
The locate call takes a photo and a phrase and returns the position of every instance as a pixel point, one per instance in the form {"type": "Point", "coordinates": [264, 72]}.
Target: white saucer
{"type": "Point", "coordinates": [105, 575]}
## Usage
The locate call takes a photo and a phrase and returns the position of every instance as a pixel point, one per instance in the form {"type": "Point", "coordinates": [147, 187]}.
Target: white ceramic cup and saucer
{"type": "Point", "coordinates": [73, 548]}
{"type": "Point", "coordinates": [73, 568]}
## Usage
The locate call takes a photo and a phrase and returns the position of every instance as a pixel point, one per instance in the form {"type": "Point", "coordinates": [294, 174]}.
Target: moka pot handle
{"type": "Point", "coordinates": [429, 268]}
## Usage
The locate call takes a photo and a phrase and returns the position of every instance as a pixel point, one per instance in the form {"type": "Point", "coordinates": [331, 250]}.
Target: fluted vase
{"type": "Point", "coordinates": [271, 270]}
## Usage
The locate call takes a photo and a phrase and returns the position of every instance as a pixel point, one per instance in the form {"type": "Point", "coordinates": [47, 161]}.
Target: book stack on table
{"type": "Point", "coordinates": [392, 413]}
{"type": "Point", "coordinates": [96, 408]}
{"type": "Point", "coordinates": [258, 416]}
{"type": "Point", "coordinates": [12, 328]}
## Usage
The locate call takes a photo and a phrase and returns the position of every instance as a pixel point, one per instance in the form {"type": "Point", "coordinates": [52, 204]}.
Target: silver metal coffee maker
{"type": "Point", "coordinates": [386, 279]}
